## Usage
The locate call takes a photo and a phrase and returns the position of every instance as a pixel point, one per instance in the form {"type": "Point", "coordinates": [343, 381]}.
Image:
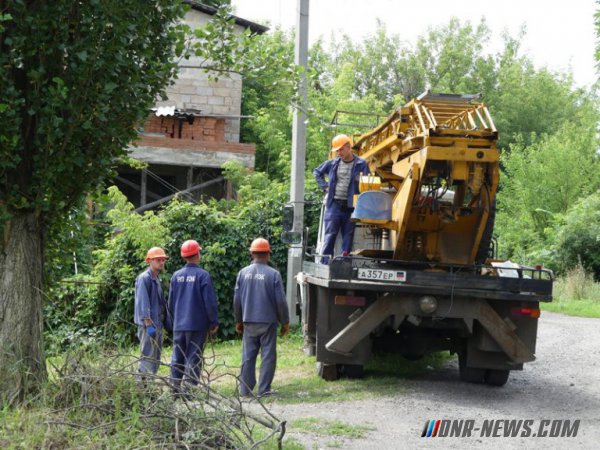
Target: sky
{"type": "Point", "coordinates": [560, 34]}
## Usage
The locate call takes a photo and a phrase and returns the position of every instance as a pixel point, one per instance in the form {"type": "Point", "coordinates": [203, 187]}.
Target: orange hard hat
{"type": "Point", "coordinates": [190, 248]}
{"type": "Point", "coordinates": [155, 252]}
{"type": "Point", "coordinates": [339, 141]}
{"type": "Point", "coordinates": [260, 245]}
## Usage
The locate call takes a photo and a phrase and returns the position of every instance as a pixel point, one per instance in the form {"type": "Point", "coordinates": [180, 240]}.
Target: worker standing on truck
{"type": "Point", "coordinates": [343, 175]}
{"type": "Point", "coordinates": [259, 305]}
{"type": "Point", "coordinates": [149, 311]}
{"type": "Point", "coordinates": [193, 309]}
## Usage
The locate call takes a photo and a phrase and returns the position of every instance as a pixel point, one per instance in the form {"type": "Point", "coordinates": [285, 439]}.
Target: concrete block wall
{"type": "Point", "coordinates": [194, 90]}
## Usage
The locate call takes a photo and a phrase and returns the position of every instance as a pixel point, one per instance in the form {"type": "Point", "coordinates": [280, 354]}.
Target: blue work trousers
{"type": "Point", "coordinates": [263, 337]}
{"type": "Point", "coordinates": [151, 348]}
{"type": "Point", "coordinates": [187, 357]}
{"type": "Point", "coordinates": [337, 218]}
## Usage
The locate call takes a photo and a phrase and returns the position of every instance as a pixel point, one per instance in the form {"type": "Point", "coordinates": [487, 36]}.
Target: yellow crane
{"type": "Point", "coordinates": [434, 176]}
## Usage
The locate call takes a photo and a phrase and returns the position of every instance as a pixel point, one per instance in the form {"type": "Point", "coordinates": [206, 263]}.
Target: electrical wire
{"type": "Point", "coordinates": [187, 195]}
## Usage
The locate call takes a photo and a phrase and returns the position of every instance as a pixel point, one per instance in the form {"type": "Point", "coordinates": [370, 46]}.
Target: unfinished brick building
{"type": "Point", "coordinates": [187, 138]}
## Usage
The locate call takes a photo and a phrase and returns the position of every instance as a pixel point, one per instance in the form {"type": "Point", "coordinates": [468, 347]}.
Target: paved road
{"type": "Point", "coordinates": [563, 383]}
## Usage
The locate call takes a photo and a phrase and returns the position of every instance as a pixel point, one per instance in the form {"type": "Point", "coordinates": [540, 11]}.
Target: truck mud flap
{"type": "Point", "coordinates": [506, 338]}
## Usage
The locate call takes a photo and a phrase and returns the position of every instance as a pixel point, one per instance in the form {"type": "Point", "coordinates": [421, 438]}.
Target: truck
{"type": "Point", "coordinates": [422, 276]}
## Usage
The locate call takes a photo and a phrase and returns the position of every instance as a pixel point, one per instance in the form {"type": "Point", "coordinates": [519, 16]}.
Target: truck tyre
{"type": "Point", "coordinates": [329, 372]}
{"type": "Point", "coordinates": [496, 377]}
{"type": "Point", "coordinates": [469, 374]}
{"type": "Point", "coordinates": [352, 371]}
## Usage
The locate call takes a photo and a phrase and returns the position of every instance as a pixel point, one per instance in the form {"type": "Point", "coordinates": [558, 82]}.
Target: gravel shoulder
{"type": "Point", "coordinates": [563, 383]}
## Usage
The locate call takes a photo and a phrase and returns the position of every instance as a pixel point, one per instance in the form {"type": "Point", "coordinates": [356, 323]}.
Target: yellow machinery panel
{"type": "Point", "coordinates": [436, 158]}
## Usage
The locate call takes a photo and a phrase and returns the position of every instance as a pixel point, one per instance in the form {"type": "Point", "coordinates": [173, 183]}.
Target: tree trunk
{"type": "Point", "coordinates": [22, 360]}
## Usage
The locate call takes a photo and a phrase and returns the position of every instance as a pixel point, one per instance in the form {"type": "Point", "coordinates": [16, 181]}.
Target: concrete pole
{"type": "Point", "coordinates": [143, 187]}
{"type": "Point", "coordinates": [298, 157]}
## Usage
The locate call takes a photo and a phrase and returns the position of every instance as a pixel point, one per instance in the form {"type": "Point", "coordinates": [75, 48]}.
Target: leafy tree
{"type": "Point", "coordinates": [578, 238]}
{"type": "Point", "coordinates": [597, 26]}
{"type": "Point", "coordinates": [76, 77]}
{"type": "Point", "coordinates": [267, 96]}
{"type": "Point", "coordinates": [541, 182]}
{"type": "Point", "coordinates": [528, 102]}
{"type": "Point", "coordinates": [452, 60]}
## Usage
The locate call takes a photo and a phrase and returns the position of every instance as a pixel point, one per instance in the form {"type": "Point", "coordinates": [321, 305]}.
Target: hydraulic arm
{"type": "Point", "coordinates": [434, 176]}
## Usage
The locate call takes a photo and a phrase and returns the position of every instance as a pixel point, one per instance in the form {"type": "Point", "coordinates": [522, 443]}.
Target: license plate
{"type": "Point", "coordinates": [382, 275]}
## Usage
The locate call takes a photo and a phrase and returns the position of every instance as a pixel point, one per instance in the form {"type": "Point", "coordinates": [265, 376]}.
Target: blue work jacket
{"type": "Point", "coordinates": [259, 296]}
{"type": "Point", "coordinates": [149, 299]}
{"type": "Point", "coordinates": [192, 302]}
{"type": "Point", "coordinates": [330, 168]}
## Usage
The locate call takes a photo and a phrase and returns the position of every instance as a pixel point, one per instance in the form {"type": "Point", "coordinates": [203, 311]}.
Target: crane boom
{"type": "Point", "coordinates": [434, 176]}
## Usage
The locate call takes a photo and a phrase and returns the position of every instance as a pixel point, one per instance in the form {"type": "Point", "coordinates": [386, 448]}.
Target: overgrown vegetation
{"type": "Point", "coordinates": [93, 400]}
{"type": "Point", "coordinates": [99, 304]}
{"type": "Point", "coordinates": [576, 293]}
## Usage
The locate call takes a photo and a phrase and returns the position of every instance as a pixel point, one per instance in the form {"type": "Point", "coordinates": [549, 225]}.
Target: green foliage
{"type": "Point", "coordinates": [528, 102]}
{"type": "Point", "coordinates": [100, 305]}
{"type": "Point", "coordinates": [577, 241]}
{"type": "Point", "coordinates": [576, 293]}
{"type": "Point", "coordinates": [74, 237]}
{"type": "Point", "coordinates": [76, 77]}
{"type": "Point", "coordinates": [452, 60]}
{"type": "Point", "coordinates": [540, 183]}
{"type": "Point", "coordinates": [266, 95]}
{"type": "Point", "coordinates": [597, 27]}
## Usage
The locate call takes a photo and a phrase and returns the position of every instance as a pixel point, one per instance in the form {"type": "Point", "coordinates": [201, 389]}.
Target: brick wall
{"type": "Point", "coordinates": [206, 129]}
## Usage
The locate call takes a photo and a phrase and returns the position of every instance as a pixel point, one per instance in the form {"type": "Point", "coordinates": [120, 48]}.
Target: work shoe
{"type": "Point", "coordinates": [268, 393]}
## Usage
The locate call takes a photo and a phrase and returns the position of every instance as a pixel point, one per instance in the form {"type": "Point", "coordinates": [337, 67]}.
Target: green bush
{"type": "Point", "coordinates": [577, 241]}
{"type": "Point", "coordinates": [99, 305]}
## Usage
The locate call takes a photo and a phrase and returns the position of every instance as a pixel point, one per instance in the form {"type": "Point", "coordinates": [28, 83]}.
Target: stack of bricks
{"type": "Point", "coordinates": [205, 129]}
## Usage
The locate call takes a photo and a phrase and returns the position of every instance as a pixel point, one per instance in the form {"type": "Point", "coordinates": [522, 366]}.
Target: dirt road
{"type": "Point", "coordinates": [563, 383]}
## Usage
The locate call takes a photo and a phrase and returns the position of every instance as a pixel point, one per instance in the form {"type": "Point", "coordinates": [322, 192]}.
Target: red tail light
{"type": "Point", "coordinates": [534, 313]}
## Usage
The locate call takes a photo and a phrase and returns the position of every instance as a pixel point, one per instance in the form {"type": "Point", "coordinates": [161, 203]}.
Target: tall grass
{"type": "Point", "coordinates": [576, 293]}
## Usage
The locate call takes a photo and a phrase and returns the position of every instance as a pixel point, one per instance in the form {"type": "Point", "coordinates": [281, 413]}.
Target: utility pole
{"type": "Point", "coordinates": [298, 157]}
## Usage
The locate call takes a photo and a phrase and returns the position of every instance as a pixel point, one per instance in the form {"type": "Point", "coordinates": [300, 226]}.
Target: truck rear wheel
{"type": "Point", "coordinates": [496, 377]}
{"type": "Point", "coordinates": [329, 372]}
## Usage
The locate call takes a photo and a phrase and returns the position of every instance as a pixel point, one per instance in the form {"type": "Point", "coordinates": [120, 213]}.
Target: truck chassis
{"type": "Point", "coordinates": [487, 314]}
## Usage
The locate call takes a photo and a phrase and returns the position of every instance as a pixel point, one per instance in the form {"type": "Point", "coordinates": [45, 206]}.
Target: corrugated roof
{"type": "Point", "coordinates": [164, 110]}
{"type": "Point", "coordinates": [254, 27]}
